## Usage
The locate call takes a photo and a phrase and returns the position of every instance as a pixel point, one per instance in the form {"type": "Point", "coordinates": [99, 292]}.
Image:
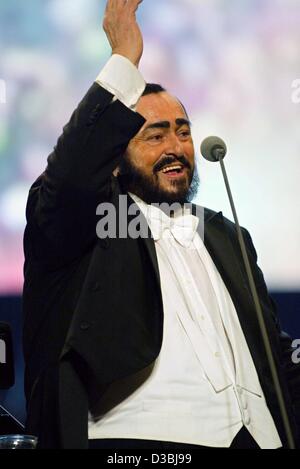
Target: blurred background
{"type": "Point", "coordinates": [234, 64]}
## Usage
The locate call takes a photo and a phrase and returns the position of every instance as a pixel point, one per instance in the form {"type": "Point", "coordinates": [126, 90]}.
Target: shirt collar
{"type": "Point", "coordinates": [182, 226]}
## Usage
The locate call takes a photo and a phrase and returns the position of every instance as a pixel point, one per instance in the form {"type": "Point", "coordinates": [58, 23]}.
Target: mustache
{"type": "Point", "coordinates": [168, 160]}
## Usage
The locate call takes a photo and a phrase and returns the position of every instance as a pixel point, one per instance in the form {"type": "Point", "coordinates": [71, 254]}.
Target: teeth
{"type": "Point", "coordinates": [171, 168]}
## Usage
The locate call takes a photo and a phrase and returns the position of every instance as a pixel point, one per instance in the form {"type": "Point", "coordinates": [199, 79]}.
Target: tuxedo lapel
{"type": "Point", "coordinates": [150, 247]}
{"type": "Point", "coordinates": [219, 246]}
{"type": "Point", "coordinates": [148, 242]}
{"type": "Point", "coordinates": [229, 264]}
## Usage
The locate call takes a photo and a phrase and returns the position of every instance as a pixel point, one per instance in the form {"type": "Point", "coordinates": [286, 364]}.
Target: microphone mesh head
{"type": "Point", "coordinates": [210, 146]}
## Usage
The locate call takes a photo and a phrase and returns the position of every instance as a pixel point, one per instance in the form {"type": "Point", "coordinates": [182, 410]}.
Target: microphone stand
{"type": "Point", "coordinates": [219, 153]}
{"type": "Point", "coordinates": [9, 424]}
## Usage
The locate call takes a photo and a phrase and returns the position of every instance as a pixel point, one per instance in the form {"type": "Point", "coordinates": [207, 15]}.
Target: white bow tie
{"type": "Point", "coordinates": [182, 227]}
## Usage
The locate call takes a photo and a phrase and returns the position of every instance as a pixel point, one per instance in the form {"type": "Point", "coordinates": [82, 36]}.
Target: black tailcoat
{"type": "Point", "coordinates": [93, 309]}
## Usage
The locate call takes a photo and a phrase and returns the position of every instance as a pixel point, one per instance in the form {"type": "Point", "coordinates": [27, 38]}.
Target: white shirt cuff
{"type": "Point", "coordinates": [121, 78]}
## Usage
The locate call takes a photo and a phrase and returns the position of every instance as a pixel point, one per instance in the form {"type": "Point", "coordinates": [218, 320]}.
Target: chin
{"type": "Point", "coordinates": [174, 188]}
{"type": "Point", "coordinates": [173, 196]}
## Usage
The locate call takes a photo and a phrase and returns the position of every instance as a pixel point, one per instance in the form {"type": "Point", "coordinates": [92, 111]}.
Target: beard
{"type": "Point", "coordinates": [149, 189]}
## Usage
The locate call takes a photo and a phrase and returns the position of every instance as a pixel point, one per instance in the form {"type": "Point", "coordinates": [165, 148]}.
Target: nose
{"type": "Point", "coordinates": [173, 145]}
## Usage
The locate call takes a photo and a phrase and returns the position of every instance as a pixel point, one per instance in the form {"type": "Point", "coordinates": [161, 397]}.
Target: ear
{"type": "Point", "coordinates": [116, 172]}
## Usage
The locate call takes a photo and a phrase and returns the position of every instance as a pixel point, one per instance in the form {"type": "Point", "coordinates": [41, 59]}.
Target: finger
{"type": "Point", "coordinates": [113, 5]}
{"type": "Point", "coordinates": [133, 5]}
{"type": "Point", "coordinates": [119, 4]}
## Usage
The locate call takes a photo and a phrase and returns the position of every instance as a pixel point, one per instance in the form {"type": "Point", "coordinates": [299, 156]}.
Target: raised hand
{"type": "Point", "coordinates": [122, 29]}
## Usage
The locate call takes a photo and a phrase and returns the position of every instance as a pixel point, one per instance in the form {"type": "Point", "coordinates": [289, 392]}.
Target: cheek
{"type": "Point", "coordinates": [190, 153]}
{"type": "Point", "coordinates": [144, 157]}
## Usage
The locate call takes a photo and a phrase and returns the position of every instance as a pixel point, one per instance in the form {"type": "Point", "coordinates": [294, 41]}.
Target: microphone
{"type": "Point", "coordinates": [214, 149]}
{"type": "Point", "coordinates": [7, 374]}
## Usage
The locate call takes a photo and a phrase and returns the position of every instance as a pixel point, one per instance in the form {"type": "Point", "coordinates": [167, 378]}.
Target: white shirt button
{"type": "Point", "coordinates": [244, 402]}
{"type": "Point", "coordinates": [247, 420]}
{"type": "Point", "coordinates": [245, 405]}
{"type": "Point", "coordinates": [217, 354]}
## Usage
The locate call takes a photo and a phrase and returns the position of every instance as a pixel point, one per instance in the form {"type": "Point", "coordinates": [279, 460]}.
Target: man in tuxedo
{"type": "Point", "coordinates": [148, 341]}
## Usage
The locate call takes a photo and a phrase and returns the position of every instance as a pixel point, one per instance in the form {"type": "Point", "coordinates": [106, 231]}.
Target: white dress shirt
{"type": "Point", "coordinates": [203, 388]}
{"type": "Point", "coordinates": [121, 78]}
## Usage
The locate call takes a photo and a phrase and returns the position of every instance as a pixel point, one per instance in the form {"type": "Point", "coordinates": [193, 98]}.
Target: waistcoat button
{"type": "Point", "coordinates": [84, 326]}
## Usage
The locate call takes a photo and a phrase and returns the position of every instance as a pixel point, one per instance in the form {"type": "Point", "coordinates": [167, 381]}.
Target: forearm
{"type": "Point", "coordinates": [62, 203]}
{"type": "Point", "coordinates": [93, 142]}
{"type": "Point", "coordinates": [77, 178]}
{"type": "Point", "coordinates": [99, 130]}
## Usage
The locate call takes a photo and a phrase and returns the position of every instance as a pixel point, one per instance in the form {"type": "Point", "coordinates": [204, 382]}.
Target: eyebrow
{"type": "Point", "coordinates": [166, 124]}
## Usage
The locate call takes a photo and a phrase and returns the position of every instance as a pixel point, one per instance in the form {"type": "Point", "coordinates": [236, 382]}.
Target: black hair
{"type": "Point", "coordinates": [153, 88]}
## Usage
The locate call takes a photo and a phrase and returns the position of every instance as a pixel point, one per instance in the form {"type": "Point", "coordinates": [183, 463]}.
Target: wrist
{"type": "Point", "coordinates": [131, 57]}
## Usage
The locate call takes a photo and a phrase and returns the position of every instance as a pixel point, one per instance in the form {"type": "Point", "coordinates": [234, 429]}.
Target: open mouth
{"type": "Point", "coordinates": [173, 171]}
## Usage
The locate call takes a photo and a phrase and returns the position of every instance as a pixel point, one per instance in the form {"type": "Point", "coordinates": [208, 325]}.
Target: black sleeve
{"type": "Point", "coordinates": [291, 370]}
{"type": "Point", "coordinates": [61, 208]}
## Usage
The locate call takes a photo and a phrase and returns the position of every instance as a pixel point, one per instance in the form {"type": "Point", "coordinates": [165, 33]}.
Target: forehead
{"type": "Point", "coordinates": [160, 107]}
